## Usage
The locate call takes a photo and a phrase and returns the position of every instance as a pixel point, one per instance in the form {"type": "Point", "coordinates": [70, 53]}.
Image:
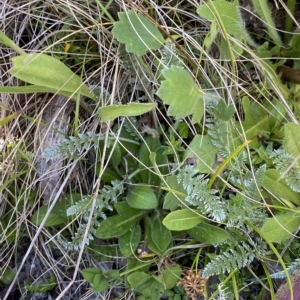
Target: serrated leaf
{"type": "Point", "coordinates": [137, 33]}
{"type": "Point", "coordinates": [180, 91]}
{"type": "Point", "coordinates": [142, 197]}
{"type": "Point", "coordinates": [111, 112]}
{"type": "Point", "coordinates": [204, 151]}
{"type": "Point", "coordinates": [182, 219]}
{"type": "Point", "coordinates": [161, 235]}
{"type": "Point", "coordinates": [291, 141]}
{"type": "Point", "coordinates": [116, 226]}
{"type": "Point", "coordinates": [227, 15]}
{"type": "Point", "coordinates": [129, 241]}
{"type": "Point", "coordinates": [223, 111]}
{"type": "Point", "coordinates": [44, 70]}
{"type": "Point", "coordinates": [207, 233]}
{"type": "Point", "coordinates": [278, 187]}
{"type": "Point", "coordinates": [281, 227]}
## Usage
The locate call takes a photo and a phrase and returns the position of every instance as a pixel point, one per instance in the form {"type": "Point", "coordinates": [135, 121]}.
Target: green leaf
{"type": "Point", "coordinates": [180, 91]}
{"type": "Point", "coordinates": [207, 233]}
{"type": "Point", "coordinates": [146, 285]}
{"type": "Point", "coordinates": [57, 216]}
{"type": "Point", "coordinates": [7, 276]}
{"type": "Point", "coordinates": [169, 277]}
{"type": "Point", "coordinates": [116, 226]}
{"type": "Point", "coordinates": [291, 141]}
{"type": "Point", "coordinates": [100, 283]}
{"type": "Point", "coordinates": [115, 274]}
{"type": "Point", "coordinates": [223, 111]}
{"type": "Point", "coordinates": [256, 121]}
{"type": "Point", "coordinates": [278, 187]}
{"type": "Point", "coordinates": [182, 219]}
{"type": "Point", "coordinates": [151, 145]}
{"type": "Point", "coordinates": [150, 243]}
{"type": "Point", "coordinates": [137, 33]}
{"type": "Point", "coordinates": [142, 197]}
{"type": "Point", "coordinates": [112, 112]}
{"type": "Point", "coordinates": [204, 151]}
{"type": "Point", "coordinates": [228, 17]}
{"type": "Point", "coordinates": [47, 71]}
{"type": "Point", "coordinates": [173, 199]}
{"type": "Point", "coordinates": [129, 241]}
{"type": "Point", "coordinates": [42, 287]}
{"type": "Point", "coordinates": [161, 235]}
{"type": "Point", "coordinates": [124, 209]}
{"type": "Point", "coordinates": [90, 273]}
{"type": "Point", "coordinates": [281, 227]}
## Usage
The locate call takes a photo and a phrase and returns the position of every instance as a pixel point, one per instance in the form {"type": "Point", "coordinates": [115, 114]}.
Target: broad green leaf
{"type": "Point", "coordinates": [148, 174]}
{"type": "Point", "coordinates": [180, 91]}
{"type": "Point", "coordinates": [146, 285]}
{"type": "Point", "coordinates": [112, 274]}
{"type": "Point", "coordinates": [150, 243]}
{"type": "Point", "coordinates": [124, 209]}
{"type": "Point", "coordinates": [169, 277]}
{"type": "Point", "coordinates": [137, 33]}
{"type": "Point", "coordinates": [142, 197]}
{"type": "Point", "coordinates": [227, 15]}
{"type": "Point", "coordinates": [281, 227]}
{"type": "Point", "coordinates": [90, 273]}
{"type": "Point", "coordinates": [116, 226]}
{"type": "Point", "coordinates": [129, 241]}
{"type": "Point", "coordinates": [7, 276]}
{"type": "Point", "coordinates": [207, 233]}
{"type": "Point", "coordinates": [223, 111]}
{"type": "Point", "coordinates": [100, 283]}
{"type": "Point", "coordinates": [44, 70]}
{"type": "Point", "coordinates": [173, 199]}
{"type": "Point", "coordinates": [182, 219]}
{"type": "Point", "coordinates": [291, 141]}
{"type": "Point", "coordinates": [161, 235]}
{"type": "Point", "coordinates": [256, 121]}
{"type": "Point", "coordinates": [112, 112]}
{"type": "Point", "coordinates": [202, 149]}
{"type": "Point", "coordinates": [57, 216]}
{"type": "Point", "coordinates": [278, 187]}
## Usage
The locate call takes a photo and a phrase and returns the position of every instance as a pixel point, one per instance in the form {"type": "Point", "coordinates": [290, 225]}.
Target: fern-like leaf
{"type": "Point", "coordinates": [229, 261]}
{"type": "Point", "coordinates": [103, 201]}
{"type": "Point", "coordinates": [198, 194]}
{"type": "Point", "coordinates": [73, 146]}
{"type": "Point", "coordinates": [288, 167]}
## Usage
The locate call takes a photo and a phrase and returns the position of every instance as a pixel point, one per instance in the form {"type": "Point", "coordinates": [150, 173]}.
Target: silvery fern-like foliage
{"type": "Point", "coordinates": [231, 260]}
{"type": "Point", "coordinates": [218, 131]}
{"type": "Point", "coordinates": [240, 208]}
{"type": "Point", "coordinates": [169, 56]}
{"type": "Point", "coordinates": [107, 196]}
{"type": "Point", "coordinates": [72, 146]}
{"type": "Point", "coordinates": [288, 167]}
{"type": "Point", "coordinates": [131, 127]}
{"type": "Point", "coordinates": [198, 195]}
{"type": "Point", "coordinates": [291, 269]}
